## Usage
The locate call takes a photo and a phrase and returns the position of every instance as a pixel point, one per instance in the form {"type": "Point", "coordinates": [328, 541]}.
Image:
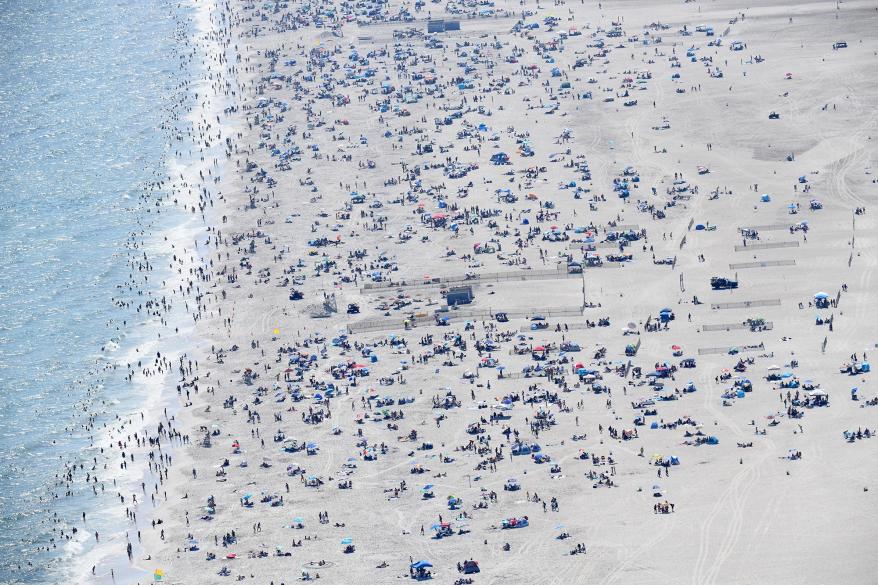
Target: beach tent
{"type": "Point", "coordinates": [470, 567]}
{"type": "Point", "coordinates": [500, 158]}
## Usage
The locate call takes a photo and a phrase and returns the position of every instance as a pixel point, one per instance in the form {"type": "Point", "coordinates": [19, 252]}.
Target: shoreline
{"type": "Point", "coordinates": [162, 403]}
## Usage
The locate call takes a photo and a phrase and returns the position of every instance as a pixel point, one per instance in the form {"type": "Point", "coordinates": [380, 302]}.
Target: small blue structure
{"type": "Point", "coordinates": [461, 295]}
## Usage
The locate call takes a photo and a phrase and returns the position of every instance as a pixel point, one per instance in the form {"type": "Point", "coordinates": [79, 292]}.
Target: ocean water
{"type": "Point", "coordinates": [85, 87]}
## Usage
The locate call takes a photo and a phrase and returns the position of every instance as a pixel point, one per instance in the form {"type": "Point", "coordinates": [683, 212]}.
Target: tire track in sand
{"type": "Point", "coordinates": [734, 495]}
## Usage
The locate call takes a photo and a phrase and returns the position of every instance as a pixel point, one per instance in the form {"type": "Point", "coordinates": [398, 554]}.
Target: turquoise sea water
{"type": "Point", "coordinates": [84, 89]}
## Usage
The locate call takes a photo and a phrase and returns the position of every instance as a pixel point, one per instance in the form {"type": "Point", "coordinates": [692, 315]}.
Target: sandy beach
{"type": "Point", "coordinates": [575, 293]}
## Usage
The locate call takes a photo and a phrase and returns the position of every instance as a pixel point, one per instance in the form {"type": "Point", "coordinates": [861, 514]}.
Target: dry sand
{"type": "Point", "coordinates": [741, 515]}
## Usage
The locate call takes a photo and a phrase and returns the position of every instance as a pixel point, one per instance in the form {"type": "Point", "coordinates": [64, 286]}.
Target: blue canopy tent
{"type": "Point", "coordinates": [419, 570]}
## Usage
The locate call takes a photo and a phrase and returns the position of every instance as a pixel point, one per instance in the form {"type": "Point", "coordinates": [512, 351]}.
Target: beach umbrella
{"type": "Point", "coordinates": [347, 540]}
{"type": "Point", "coordinates": [821, 296]}
{"type": "Point", "coordinates": [421, 565]}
